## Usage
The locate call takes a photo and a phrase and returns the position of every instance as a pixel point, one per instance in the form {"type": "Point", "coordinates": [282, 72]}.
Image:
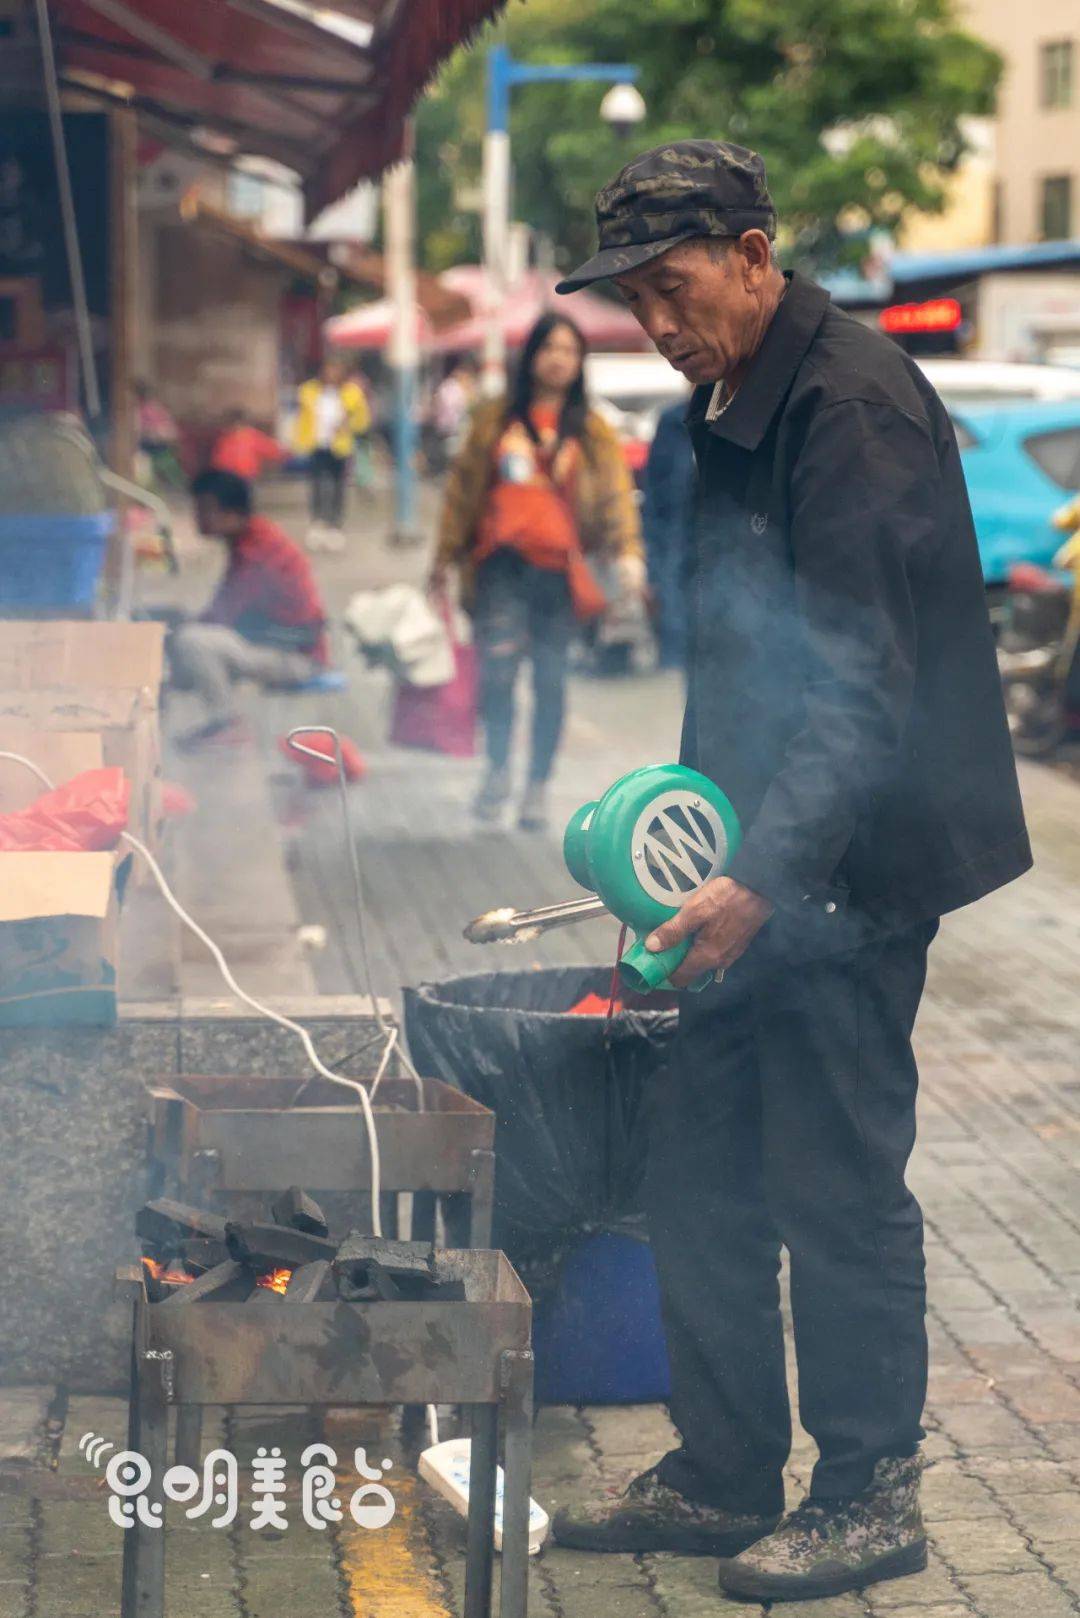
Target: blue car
{"type": "Point", "coordinates": [1022, 462]}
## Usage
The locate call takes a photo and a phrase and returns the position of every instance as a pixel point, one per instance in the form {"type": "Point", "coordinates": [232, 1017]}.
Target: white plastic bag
{"type": "Point", "coordinates": [399, 629]}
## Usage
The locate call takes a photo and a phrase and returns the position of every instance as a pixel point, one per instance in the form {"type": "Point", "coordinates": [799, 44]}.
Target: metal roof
{"type": "Point", "coordinates": [324, 88]}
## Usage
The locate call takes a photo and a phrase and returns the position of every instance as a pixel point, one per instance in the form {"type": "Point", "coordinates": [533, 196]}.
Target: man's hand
{"type": "Point", "coordinates": [723, 917]}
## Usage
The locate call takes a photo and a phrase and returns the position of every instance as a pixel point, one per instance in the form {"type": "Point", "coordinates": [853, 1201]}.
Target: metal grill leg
{"type": "Point", "coordinates": [482, 1176]}
{"type": "Point", "coordinates": [144, 1547]}
{"type": "Point", "coordinates": [189, 1420]}
{"type": "Point", "coordinates": [518, 1384]}
{"type": "Point", "coordinates": [479, 1535]}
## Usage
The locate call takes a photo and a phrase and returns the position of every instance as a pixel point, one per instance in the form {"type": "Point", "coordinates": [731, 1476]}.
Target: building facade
{"type": "Point", "coordinates": [1037, 128]}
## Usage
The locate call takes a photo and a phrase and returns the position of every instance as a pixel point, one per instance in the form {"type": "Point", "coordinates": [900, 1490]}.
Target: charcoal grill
{"type": "Point", "coordinates": [228, 1139]}
{"type": "Point", "coordinates": [273, 1351]}
{"type": "Point", "coordinates": [236, 1141]}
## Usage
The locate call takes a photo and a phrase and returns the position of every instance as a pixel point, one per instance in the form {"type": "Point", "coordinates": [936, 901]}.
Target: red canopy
{"type": "Point", "coordinates": [324, 87]}
{"type": "Point", "coordinates": [604, 324]}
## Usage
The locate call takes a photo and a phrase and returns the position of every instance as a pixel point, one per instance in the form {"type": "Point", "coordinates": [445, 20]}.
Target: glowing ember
{"type": "Point", "coordinates": [274, 1280]}
{"type": "Point", "coordinates": [171, 1275]}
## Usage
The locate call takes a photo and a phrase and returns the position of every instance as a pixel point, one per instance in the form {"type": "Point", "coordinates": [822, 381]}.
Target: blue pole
{"type": "Point", "coordinates": [501, 70]}
{"type": "Point", "coordinates": [404, 451]}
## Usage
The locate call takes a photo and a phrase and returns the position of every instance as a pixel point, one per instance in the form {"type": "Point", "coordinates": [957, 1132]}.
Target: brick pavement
{"type": "Point", "coordinates": [997, 1168]}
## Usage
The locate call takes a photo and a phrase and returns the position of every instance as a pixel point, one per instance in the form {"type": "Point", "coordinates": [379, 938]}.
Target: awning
{"type": "Point", "coordinates": [603, 324]}
{"type": "Point", "coordinates": [324, 88]}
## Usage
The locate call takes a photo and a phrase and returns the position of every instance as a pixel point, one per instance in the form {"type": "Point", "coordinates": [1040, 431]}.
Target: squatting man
{"type": "Point", "coordinates": [843, 692]}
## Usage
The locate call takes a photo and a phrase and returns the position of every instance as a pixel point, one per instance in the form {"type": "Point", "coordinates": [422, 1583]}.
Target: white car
{"type": "Point", "coordinates": [630, 391]}
{"type": "Point", "coordinates": [990, 382]}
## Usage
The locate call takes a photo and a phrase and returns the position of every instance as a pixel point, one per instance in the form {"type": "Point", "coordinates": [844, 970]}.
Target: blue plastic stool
{"type": "Point", "coordinates": [328, 680]}
{"type": "Point", "coordinates": [600, 1339]}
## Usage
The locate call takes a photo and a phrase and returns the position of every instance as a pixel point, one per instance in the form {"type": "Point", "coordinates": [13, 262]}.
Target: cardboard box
{"type": "Point", "coordinates": [88, 676]}
{"type": "Point", "coordinates": [58, 938]}
{"type": "Point", "coordinates": [60, 754]}
{"type": "Point", "coordinates": [126, 722]}
{"type": "Point", "coordinates": [102, 656]}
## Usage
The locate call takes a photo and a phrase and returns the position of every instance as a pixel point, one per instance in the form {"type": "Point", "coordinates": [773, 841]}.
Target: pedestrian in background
{"type": "Point", "coordinates": [539, 487]}
{"type": "Point", "coordinates": [333, 414]}
{"type": "Point", "coordinates": [244, 449]}
{"type": "Point", "coordinates": [158, 439]}
{"type": "Point", "coordinates": [266, 621]}
{"type": "Point", "coordinates": [451, 404]}
{"type": "Point", "coordinates": [667, 516]}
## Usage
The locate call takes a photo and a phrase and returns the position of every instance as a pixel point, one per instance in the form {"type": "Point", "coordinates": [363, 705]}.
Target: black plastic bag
{"type": "Point", "coordinates": [567, 1092]}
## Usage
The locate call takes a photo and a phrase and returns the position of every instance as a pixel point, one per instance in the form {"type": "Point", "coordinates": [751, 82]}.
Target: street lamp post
{"type": "Point", "coordinates": [622, 107]}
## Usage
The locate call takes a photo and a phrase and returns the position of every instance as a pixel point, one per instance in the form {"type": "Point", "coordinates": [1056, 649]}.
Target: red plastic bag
{"type": "Point", "coordinates": [440, 717]}
{"type": "Point", "coordinates": [85, 815]}
{"type": "Point", "coordinates": [322, 771]}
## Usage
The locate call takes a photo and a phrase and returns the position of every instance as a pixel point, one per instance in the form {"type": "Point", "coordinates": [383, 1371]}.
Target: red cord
{"type": "Point", "coordinates": [615, 972]}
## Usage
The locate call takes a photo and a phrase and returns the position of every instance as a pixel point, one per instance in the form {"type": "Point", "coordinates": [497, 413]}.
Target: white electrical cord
{"type": "Point", "coordinates": [284, 1022]}
{"type": "Point", "coordinates": [265, 1011]}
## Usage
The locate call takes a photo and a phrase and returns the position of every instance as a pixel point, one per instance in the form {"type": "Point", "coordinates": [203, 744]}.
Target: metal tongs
{"type": "Point", "coordinates": [509, 926]}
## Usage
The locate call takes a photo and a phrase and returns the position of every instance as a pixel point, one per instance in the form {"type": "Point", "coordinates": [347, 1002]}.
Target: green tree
{"type": "Point", "coordinates": [857, 105]}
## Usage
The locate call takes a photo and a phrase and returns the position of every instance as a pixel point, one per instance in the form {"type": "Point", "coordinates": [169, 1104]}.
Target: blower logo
{"type": "Point", "coordinates": [679, 843]}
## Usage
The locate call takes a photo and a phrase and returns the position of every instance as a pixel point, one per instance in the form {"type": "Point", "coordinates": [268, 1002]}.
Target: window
{"type": "Point", "coordinates": [1056, 74]}
{"type": "Point", "coordinates": [1058, 454]}
{"type": "Point", "coordinates": [1057, 207]}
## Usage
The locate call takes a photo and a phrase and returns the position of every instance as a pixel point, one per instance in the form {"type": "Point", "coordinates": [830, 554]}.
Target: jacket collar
{"type": "Point", "coordinates": [791, 331]}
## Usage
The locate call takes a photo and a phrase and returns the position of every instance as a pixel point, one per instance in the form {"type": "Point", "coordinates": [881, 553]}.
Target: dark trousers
{"type": "Point", "coordinates": [328, 475]}
{"type": "Point", "coordinates": [522, 612]}
{"type": "Point", "coordinates": [787, 1118]}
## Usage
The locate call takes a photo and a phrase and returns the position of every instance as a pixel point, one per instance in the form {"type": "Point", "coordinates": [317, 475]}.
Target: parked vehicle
{"type": "Point", "coordinates": [966, 383]}
{"type": "Point", "coordinates": [1020, 462]}
{"type": "Point", "coordinates": [1038, 658]}
{"type": "Point", "coordinates": [630, 391]}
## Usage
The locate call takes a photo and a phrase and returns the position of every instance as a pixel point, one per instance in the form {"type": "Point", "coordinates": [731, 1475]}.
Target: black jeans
{"type": "Point", "coordinates": [328, 474]}
{"type": "Point", "coordinates": [522, 611]}
{"type": "Point", "coordinates": [787, 1118]}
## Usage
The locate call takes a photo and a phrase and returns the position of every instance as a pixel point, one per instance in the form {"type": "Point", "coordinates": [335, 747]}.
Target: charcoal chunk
{"type": "Point", "coordinates": [368, 1267]}
{"type": "Point", "coordinates": [201, 1253]}
{"type": "Point", "coordinates": [299, 1211]}
{"type": "Point", "coordinates": [223, 1283]}
{"type": "Point", "coordinates": [167, 1223]}
{"type": "Point", "coordinates": [275, 1247]}
{"type": "Point", "coordinates": [309, 1282]}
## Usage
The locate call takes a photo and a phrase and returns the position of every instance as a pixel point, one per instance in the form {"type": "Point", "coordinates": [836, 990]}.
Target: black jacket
{"type": "Point", "coordinates": [844, 690]}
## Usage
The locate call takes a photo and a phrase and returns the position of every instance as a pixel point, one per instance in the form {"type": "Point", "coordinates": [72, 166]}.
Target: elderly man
{"type": "Point", "coordinates": [844, 694]}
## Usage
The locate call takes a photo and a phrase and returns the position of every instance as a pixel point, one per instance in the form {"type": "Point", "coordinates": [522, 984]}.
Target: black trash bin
{"type": "Point", "coordinates": [568, 1093]}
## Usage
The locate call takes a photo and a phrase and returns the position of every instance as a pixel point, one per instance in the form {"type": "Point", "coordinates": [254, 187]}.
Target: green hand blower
{"type": "Point", "coordinates": [655, 837]}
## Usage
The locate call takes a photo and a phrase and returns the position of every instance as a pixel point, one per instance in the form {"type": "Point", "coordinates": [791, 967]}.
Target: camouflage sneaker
{"type": "Point", "coordinates": [652, 1517]}
{"type": "Point", "coordinates": [829, 1546]}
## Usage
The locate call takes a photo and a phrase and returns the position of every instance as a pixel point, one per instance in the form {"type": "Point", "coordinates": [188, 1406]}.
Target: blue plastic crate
{"type": "Point", "coordinates": [600, 1340]}
{"type": "Point", "coordinates": [52, 560]}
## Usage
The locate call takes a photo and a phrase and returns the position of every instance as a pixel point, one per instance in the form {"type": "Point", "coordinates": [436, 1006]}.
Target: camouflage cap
{"type": "Point", "coordinates": [666, 196]}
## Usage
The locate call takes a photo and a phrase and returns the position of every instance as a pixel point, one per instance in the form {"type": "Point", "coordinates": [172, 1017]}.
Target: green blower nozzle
{"type": "Point", "coordinates": [656, 836]}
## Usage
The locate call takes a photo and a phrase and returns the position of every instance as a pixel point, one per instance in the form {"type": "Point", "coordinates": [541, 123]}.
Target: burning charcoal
{"type": "Point", "coordinates": [161, 1278]}
{"type": "Point", "coordinates": [201, 1253]}
{"type": "Point", "coordinates": [306, 1283]}
{"type": "Point", "coordinates": [275, 1247]}
{"type": "Point", "coordinates": [165, 1222]}
{"type": "Point", "coordinates": [296, 1209]}
{"type": "Point", "coordinates": [230, 1274]}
